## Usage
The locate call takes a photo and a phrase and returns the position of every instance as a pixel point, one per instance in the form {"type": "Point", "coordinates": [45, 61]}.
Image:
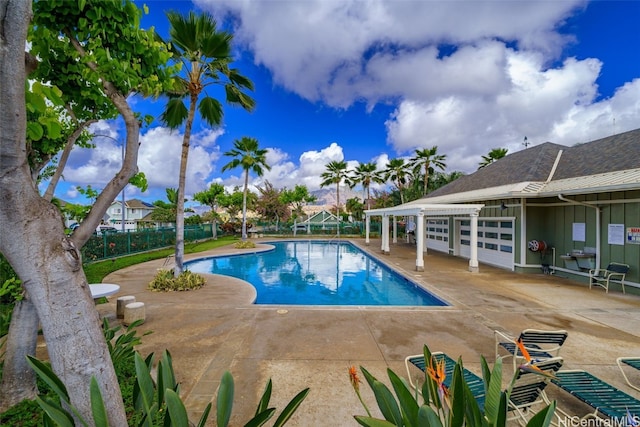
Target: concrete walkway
{"type": "Point", "coordinates": [217, 328]}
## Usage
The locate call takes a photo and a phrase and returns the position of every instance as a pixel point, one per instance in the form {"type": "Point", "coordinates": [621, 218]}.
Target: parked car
{"type": "Point", "coordinates": [105, 229]}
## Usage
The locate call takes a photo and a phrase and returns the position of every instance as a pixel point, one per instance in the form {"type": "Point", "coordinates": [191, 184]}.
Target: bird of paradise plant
{"type": "Point", "coordinates": [436, 405]}
{"type": "Point", "coordinates": [529, 365]}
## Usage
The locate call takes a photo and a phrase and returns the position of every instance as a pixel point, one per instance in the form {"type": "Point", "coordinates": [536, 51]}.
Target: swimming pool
{"type": "Point", "coordinates": [318, 273]}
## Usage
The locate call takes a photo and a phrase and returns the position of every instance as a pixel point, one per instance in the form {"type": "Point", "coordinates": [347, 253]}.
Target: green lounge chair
{"type": "Point", "coordinates": [540, 344]}
{"type": "Point", "coordinates": [609, 402]}
{"type": "Point", "coordinates": [633, 362]}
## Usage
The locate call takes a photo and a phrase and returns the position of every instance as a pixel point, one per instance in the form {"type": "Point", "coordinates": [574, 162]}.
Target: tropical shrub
{"type": "Point", "coordinates": [157, 401]}
{"type": "Point", "coordinates": [439, 406]}
{"type": "Point", "coordinates": [244, 245]}
{"type": "Point", "coordinates": [165, 282]}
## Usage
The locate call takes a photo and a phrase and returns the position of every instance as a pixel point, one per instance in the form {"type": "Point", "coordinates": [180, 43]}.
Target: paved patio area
{"type": "Point", "coordinates": [217, 328]}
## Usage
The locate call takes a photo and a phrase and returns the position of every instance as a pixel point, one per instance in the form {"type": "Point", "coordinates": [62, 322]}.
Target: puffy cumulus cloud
{"type": "Point", "coordinates": [158, 157]}
{"type": "Point", "coordinates": [160, 153]}
{"type": "Point", "coordinates": [313, 164]}
{"type": "Point", "coordinates": [467, 126]}
{"type": "Point", "coordinates": [334, 51]}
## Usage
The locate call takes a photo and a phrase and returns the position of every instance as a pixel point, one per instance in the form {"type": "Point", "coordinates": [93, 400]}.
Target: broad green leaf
{"type": "Point", "coordinates": [427, 417]}
{"type": "Point", "coordinates": [98, 410]}
{"type": "Point", "coordinates": [59, 416]}
{"type": "Point", "coordinates": [177, 411]}
{"type": "Point", "coordinates": [204, 416]}
{"type": "Point", "coordinates": [291, 408]}
{"type": "Point", "coordinates": [458, 396]}
{"type": "Point", "coordinates": [543, 417]}
{"type": "Point", "coordinates": [261, 418]}
{"type": "Point", "coordinates": [494, 392]}
{"type": "Point", "coordinates": [35, 132]}
{"type": "Point", "coordinates": [145, 385]}
{"type": "Point", "coordinates": [266, 397]}
{"type": "Point", "coordinates": [48, 376]}
{"type": "Point", "coordinates": [408, 404]}
{"type": "Point", "coordinates": [372, 422]}
{"type": "Point", "coordinates": [225, 399]}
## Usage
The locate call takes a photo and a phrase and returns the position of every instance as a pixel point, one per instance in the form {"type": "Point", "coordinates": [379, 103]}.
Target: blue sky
{"type": "Point", "coordinates": [366, 81]}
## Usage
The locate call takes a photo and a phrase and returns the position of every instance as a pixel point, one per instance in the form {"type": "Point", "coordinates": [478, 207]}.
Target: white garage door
{"type": "Point", "coordinates": [495, 241]}
{"type": "Point", "coordinates": [438, 234]}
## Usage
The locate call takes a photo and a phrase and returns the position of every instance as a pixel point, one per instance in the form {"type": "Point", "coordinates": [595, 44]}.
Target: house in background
{"type": "Point", "coordinates": [567, 209]}
{"type": "Point", "coordinates": [136, 212]}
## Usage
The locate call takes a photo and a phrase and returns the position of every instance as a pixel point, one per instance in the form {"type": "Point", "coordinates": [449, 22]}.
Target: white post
{"type": "Point", "coordinates": [420, 242]}
{"type": "Point", "coordinates": [367, 226]}
{"type": "Point", "coordinates": [395, 229]}
{"type": "Point", "coordinates": [473, 256]}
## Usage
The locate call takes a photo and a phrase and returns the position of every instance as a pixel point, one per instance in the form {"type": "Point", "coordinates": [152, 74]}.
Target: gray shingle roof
{"type": "Point", "coordinates": [613, 153]}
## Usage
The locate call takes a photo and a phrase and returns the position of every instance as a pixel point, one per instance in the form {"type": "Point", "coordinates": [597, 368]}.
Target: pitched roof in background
{"type": "Point", "coordinates": [527, 171]}
{"type": "Point", "coordinates": [139, 204]}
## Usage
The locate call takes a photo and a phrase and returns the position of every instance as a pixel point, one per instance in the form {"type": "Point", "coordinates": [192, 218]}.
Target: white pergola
{"type": "Point", "coordinates": [421, 210]}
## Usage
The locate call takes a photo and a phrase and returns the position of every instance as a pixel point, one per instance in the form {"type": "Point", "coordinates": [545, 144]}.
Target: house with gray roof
{"type": "Point", "coordinates": [550, 207]}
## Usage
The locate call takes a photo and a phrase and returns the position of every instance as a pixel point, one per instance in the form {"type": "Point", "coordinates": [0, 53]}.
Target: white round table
{"type": "Point", "coordinates": [99, 290]}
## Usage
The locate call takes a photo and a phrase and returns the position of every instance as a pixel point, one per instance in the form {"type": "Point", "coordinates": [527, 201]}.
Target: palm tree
{"type": "Point", "coordinates": [336, 172]}
{"type": "Point", "coordinates": [365, 174]}
{"type": "Point", "coordinates": [206, 54]}
{"type": "Point", "coordinates": [427, 159]}
{"type": "Point", "coordinates": [494, 154]}
{"type": "Point", "coordinates": [398, 172]}
{"type": "Point", "coordinates": [250, 157]}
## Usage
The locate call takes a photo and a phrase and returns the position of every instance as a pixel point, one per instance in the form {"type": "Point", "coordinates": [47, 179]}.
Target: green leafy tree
{"type": "Point", "coordinates": [492, 156]}
{"type": "Point", "coordinates": [399, 172]}
{"type": "Point", "coordinates": [298, 198]}
{"type": "Point", "coordinates": [123, 61]}
{"type": "Point", "coordinates": [270, 204]}
{"type": "Point", "coordinates": [442, 179]}
{"type": "Point", "coordinates": [425, 161]}
{"type": "Point", "coordinates": [366, 174]}
{"type": "Point", "coordinates": [355, 207]}
{"type": "Point", "coordinates": [205, 53]}
{"type": "Point", "coordinates": [209, 197]}
{"type": "Point", "coordinates": [250, 157]}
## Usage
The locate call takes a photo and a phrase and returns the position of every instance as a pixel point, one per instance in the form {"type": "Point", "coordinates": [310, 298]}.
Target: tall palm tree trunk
{"type": "Point", "coordinates": [182, 182]}
{"type": "Point", "coordinates": [338, 205]}
{"type": "Point", "coordinates": [244, 205]}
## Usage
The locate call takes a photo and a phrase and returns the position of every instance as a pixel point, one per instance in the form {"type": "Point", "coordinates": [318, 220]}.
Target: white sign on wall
{"type": "Point", "coordinates": [579, 232]}
{"type": "Point", "coordinates": [616, 234]}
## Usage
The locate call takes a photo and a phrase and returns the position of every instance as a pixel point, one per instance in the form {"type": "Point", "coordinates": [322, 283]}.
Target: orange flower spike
{"type": "Point", "coordinates": [438, 374]}
{"type": "Point", "coordinates": [353, 376]}
{"type": "Point", "coordinates": [523, 350]}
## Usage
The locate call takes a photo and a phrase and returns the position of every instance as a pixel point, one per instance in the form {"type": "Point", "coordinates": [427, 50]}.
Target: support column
{"type": "Point", "coordinates": [385, 234]}
{"type": "Point", "coordinates": [420, 246]}
{"type": "Point", "coordinates": [367, 226]}
{"type": "Point", "coordinates": [395, 229]}
{"type": "Point", "coordinates": [473, 256]}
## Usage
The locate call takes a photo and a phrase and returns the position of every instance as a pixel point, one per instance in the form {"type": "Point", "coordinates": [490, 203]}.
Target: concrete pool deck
{"type": "Point", "coordinates": [217, 328]}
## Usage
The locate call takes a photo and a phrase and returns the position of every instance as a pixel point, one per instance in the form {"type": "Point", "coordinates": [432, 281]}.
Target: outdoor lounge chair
{"type": "Point", "coordinates": [527, 393]}
{"type": "Point", "coordinates": [538, 343]}
{"type": "Point", "coordinates": [602, 277]}
{"type": "Point", "coordinates": [609, 402]}
{"type": "Point", "coordinates": [633, 362]}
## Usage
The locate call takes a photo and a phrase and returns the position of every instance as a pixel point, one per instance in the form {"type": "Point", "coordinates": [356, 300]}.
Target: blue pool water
{"type": "Point", "coordinates": [318, 273]}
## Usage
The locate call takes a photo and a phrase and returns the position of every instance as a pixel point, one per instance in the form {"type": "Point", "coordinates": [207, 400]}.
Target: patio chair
{"type": "Point", "coordinates": [615, 271]}
{"type": "Point", "coordinates": [539, 344]}
{"type": "Point", "coordinates": [633, 362]}
{"type": "Point", "coordinates": [610, 404]}
{"type": "Point", "coordinates": [527, 393]}
{"type": "Point", "coordinates": [475, 383]}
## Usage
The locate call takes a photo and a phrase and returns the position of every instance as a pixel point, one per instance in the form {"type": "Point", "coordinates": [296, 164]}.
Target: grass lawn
{"type": "Point", "coordinates": [96, 271]}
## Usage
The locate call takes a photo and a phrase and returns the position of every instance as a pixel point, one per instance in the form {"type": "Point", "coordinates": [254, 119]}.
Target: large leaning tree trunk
{"type": "Point", "coordinates": [32, 236]}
